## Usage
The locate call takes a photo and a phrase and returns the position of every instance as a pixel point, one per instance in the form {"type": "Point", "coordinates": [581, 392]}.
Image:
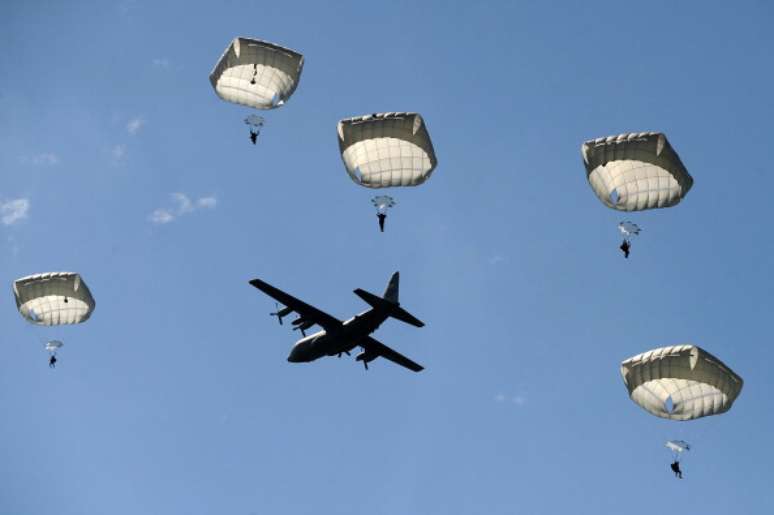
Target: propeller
{"type": "Point", "coordinates": [276, 313]}
{"type": "Point", "coordinates": [280, 312]}
{"type": "Point", "coordinates": [302, 324]}
{"type": "Point", "coordinates": [365, 357]}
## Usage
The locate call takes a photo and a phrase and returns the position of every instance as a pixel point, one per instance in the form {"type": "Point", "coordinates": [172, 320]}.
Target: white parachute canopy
{"type": "Point", "coordinates": [678, 446]}
{"type": "Point", "coordinates": [257, 73]}
{"type": "Point", "coordinates": [53, 298]}
{"type": "Point", "coordinates": [629, 229]}
{"type": "Point", "coordinates": [53, 345]}
{"type": "Point", "coordinates": [382, 203]}
{"type": "Point", "coordinates": [386, 149]}
{"type": "Point", "coordinates": [681, 382]}
{"type": "Point", "coordinates": [636, 171]}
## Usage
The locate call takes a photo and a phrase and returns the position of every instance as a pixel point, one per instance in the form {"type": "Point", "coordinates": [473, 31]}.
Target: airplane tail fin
{"type": "Point", "coordinates": [391, 292]}
{"type": "Point", "coordinates": [389, 303]}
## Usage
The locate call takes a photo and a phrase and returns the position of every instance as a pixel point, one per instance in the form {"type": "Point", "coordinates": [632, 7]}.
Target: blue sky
{"type": "Point", "coordinates": [176, 397]}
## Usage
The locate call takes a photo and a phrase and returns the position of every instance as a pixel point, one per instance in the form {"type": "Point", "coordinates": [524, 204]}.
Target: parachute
{"type": "Point", "coordinates": [254, 121]}
{"type": "Point", "coordinates": [677, 446]}
{"type": "Point", "coordinates": [54, 298]}
{"type": "Point", "coordinates": [681, 382]}
{"type": "Point", "coordinates": [382, 203]}
{"type": "Point", "coordinates": [257, 73]}
{"type": "Point", "coordinates": [54, 345]}
{"type": "Point", "coordinates": [636, 171]}
{"type": "Point", "coordinates": [383, 150]}
{"type": "Point", "coordinates": [629, 229]}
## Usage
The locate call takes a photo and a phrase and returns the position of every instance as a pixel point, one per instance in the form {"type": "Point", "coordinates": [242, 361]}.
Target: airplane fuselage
{"type": "Point", "coordinates": [337, 336]}
{"type": "Point", "coordinates": [346, 338]}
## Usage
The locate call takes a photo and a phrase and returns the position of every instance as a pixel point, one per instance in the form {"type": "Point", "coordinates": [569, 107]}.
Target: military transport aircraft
{"type": "Point", "coordinates": [337, 337]}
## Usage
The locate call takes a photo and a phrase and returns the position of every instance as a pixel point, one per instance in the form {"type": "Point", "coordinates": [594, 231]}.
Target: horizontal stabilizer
{"type": "Point", "coordinates": [390, 308]}
{"type": "Point", "coordinates": [375, 348]}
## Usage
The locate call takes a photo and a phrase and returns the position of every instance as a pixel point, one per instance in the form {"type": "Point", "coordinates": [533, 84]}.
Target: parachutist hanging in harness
{"type": "Point", "coordinates": [382, 202]}
{"type": "Point", "coordinates": [677, 447]}
{"type": "Point", "coordinates": [52, 346]}
{"type": "Point", "coordinates": [675, 466]}
{"type": "Point", "coordinates": [255, 123]}
{"type": "Point", "coordinates": [255, 72]}
{"type": "Point", "coordinates": [625, 246]}
{"type": "Point", "coordinates": [629, 230]}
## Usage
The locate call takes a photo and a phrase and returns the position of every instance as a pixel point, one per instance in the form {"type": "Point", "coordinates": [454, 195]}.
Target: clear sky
{"type": "Point", "coordinates": [176, 396]}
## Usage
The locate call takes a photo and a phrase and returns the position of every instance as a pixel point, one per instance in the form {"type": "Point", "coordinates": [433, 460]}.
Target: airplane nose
{"type": "Point", "coordinates": [293, 357]}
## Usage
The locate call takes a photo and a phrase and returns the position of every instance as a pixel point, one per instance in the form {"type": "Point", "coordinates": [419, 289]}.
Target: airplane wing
{"type": "Point", "coordinates": [373, 346]}
{"type": "Point", "coordinates": [306, 311]}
